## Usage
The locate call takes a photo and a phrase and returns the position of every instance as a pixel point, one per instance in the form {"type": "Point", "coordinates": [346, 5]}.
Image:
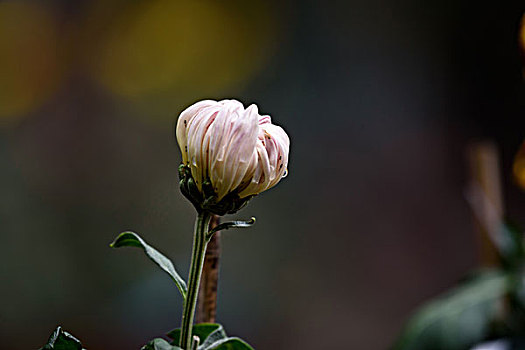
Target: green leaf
{"type": "Point", "coordinates": [510, 246]}
{"type": "Point", "coordinates": [159, 344]}
{"type": "Point", "coordinates": [458, 319]}
{"type": "Point", "coordinates": [214, 337]}
{"type": "Point", "coordinates": [131, 239]}
{"type": "Point", "coordinates": [207, 333]}
{"type": "Point", "coordinates": [232, 343]}
{"type": "Point", "coordinates": [61, 340]}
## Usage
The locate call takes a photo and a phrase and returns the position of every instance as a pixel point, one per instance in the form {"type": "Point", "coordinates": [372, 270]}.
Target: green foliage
{"type": "Point", "coordinates": [131, 239]}
{"type": "Point", "coordinates": [510, 247]}
{"type": "Point", "coordinates": [212, 337]}
{"type": "Point", "coordinates": [202, 330]}
{"type": "Point", "coordinates": [488, 305]}
{"type": "Point", "coordinates": [61, 340]}
{"type": "Point", "coordinates": [458, 319]}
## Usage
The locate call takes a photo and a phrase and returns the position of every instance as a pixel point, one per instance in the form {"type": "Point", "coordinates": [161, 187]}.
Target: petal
{"type": "Point", "coordinates": [240, 150]}
{"type": "Point", "coordinates": [184, 120]}
{"type": "Point", "coordinates": [272, 159]}
{"type": "Point", "coordinates": [281, 142]}
{"type": "Point", "coordinates": [196, 150]}
{"type": "Point", "coordinates": [237, 149]}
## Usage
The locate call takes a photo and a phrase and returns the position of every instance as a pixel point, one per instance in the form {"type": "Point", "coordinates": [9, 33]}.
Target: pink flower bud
{"type": "Point", "coordinates": [236, 149]}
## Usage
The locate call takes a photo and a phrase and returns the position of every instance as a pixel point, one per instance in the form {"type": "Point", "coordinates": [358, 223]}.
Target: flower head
{"type": "Point", "coordinates": [230, 153]}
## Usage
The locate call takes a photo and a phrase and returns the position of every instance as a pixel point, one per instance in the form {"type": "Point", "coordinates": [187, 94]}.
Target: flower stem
{"type": "Point", "coordinates": [197, 260]}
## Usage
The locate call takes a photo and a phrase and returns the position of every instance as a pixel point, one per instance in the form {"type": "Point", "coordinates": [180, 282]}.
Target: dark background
{"type": "Point", "coordinates": [380, 99]}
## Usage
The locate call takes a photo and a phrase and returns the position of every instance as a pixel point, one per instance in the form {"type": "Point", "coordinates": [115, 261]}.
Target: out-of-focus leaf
{"type": "Point", "coordinates": [208, 333]}
{"type": "Point", "coordinates": [510, 246]}
{"type": "Point", "coordinates": [159, 344]}
{"type": "Point", "coordinates": [229, 344]}
{"type": "Point", "coordinates": [61, 340]}
{"type": "Point", "coordinates": [515, 343]}
{"type": "Point", "coordinates": [131, 239]}
{"type": "Point", "coordinates": [458, 319]}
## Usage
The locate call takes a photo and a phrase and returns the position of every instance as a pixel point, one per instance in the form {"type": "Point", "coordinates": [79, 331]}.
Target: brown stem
{"type": "Point", "coordinates": [486, 197]}
{"type": "Point", "coordinates": [207, 300]}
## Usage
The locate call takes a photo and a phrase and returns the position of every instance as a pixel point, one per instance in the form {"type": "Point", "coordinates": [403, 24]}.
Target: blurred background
{"type": "Point", "coordinates": [380, 98]}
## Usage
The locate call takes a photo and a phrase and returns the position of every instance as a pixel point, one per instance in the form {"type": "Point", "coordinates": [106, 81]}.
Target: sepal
{"type": "Point", "coordinates": [207, 200]}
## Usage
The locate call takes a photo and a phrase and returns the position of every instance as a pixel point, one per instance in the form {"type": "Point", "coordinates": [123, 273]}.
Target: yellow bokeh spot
{"type": "Point", "coordinates": [175, 47]}
{"type": "Point", "coordinates": [28, 57]}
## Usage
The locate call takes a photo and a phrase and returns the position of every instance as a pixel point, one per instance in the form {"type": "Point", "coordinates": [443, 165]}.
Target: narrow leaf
{"type": "Point", "coordinates": [232, 224]}
{"type": "Point", "coordinates": [131, 239]}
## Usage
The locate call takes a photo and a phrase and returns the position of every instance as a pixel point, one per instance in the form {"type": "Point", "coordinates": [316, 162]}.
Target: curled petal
{"type": "Point", "coordinates": [183, 122]}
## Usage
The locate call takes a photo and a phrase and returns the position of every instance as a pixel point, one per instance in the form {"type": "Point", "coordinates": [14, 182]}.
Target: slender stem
{"type": "Point", "coordinates": [197, 260]}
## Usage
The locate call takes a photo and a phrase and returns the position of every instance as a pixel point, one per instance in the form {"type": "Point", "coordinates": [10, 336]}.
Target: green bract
{"type": "Point", "coordinates": [207, 200]}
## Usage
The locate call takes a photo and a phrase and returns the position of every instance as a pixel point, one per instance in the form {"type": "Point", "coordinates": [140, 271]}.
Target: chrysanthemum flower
{"type": "Point", "coordinates": [232, 153]}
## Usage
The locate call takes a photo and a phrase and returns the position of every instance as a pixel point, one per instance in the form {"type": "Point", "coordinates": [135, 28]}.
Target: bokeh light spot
{"type": "Point", "coordinates": [190, 48]}
{"type": "Point", "coordinates": [29, 60]}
